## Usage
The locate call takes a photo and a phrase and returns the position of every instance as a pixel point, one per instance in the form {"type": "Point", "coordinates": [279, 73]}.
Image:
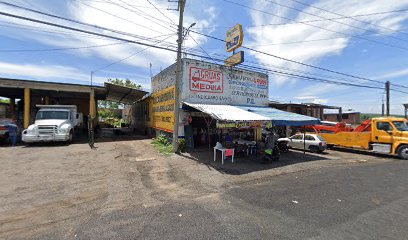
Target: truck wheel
{"type": "Point", "coordinates": [71, 136]}
{"type": "Point", "coordinates": [403, 152]}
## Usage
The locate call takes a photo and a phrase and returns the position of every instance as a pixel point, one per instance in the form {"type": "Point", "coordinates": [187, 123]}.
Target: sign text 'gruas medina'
{"type": "Point", "coordinates": [206, 80]}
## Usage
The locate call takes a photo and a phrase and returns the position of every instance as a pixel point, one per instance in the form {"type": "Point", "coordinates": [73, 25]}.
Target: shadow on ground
{"type": "Point", "coordinates": [248, 164]}
{"type": "Point", "coordinates": [81, 137]}
{"type": "Point", "coordinates": [362, 152]}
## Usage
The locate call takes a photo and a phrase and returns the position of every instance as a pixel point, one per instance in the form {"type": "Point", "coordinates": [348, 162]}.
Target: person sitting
{"type": "Point", "coordinates": [228, 137]}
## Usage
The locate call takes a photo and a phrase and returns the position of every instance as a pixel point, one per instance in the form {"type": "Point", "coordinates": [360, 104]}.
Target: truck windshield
{"type": "Point", "coordinates": [400, 125]}
{"type": "Point", "coordinates": [41, 115]}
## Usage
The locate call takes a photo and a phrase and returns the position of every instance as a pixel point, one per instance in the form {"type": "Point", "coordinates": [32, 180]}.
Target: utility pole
{"type": "Point", "coordinates": [387, 92]}
{"type": "Point", "coordinates": [181, 4]}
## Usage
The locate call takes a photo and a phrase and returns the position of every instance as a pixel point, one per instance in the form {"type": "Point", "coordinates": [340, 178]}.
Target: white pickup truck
{"type": "Point", "coordinates": [53, 123]}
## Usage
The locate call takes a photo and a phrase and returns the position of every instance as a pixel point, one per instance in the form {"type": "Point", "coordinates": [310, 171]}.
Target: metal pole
{"type": "Point", "coordinates": [304, 140]}
{"type": "Point", "coordinates": [387, 92]}
{"type": "Point", "coordinates": [382, 105]}
{"type": "Point", "coordinates": [178, 77]}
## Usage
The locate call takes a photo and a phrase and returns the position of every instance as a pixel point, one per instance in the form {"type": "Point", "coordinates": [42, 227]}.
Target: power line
{"type": "Point", "coordinates": [350, 17]}
{"type": "Point", "coordinates": [101, 1]}
{"type": "Point", "coordinates": [349, 25]}
{"type": "Point", "coordinates": [143, 14]}
{"type": "Point", "coordinates": [130, 56]}
{"type": "Point", "coordinates": [74, 21]}
{"type": "Point", "coordinates": [60, 49]}
{"type": "Point", "coordinates": [76, 48]}
{"type": "Point", "coordinates": [80, 30]}
{"type": "Point", "coordinates": [163, 48]}
{"type": "Point", "coordinates": [311, 21]}
{"type": "Point", "coordinates": [290, 60]}
{"type": "Point", "coordinates": [326, 29]}
{"type": "Point", "coordinates": [116, 16]}
{"type": "Point", "coordinates": [161, 12]}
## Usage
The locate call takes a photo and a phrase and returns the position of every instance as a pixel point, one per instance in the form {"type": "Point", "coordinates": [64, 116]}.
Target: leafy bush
{"type": "Point", "coordinates": [163, 144]}
{"type": "Point", "coordinates": [162, 139]}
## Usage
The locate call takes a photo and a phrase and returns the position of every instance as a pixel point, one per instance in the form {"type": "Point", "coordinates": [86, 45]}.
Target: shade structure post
{"type": "Point", "coordinates": [304, 140]}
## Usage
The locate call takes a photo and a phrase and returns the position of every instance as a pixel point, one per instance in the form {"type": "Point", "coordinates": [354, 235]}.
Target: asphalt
{"type": "Point", "coordinates": [126, 190]}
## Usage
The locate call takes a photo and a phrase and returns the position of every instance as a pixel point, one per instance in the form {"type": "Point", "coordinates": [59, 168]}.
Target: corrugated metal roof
{"type": "Point", "coordinates": [227, 112]}
{"type": "Point", "coordinates": [230, 113]}
{"type": "Point", "coordinates": [123, 94]}
{"type": "Point", "coordinates": [282, 118]}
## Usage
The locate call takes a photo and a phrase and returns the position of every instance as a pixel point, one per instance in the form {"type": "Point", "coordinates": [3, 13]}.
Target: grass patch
{"type": "Point", "coordinates": [163, 145]}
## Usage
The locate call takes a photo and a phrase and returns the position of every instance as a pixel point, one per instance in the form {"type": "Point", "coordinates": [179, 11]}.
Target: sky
{"type": "Point", "coordinates": [363, 38]}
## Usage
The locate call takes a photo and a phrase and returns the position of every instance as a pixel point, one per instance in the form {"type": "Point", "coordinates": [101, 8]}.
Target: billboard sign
{"type": "Point", "coordinates": [163, 109]}
{"type": "Point", "coordinates": [234, 38]}
{"type": "Point", "coordinates": [210, 83]}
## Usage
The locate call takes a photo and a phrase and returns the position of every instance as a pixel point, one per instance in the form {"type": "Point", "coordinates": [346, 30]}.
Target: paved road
{"type": "Point", "coordinates": [124, 190]}
{"type": "Point", "coordinates": [353, 202]}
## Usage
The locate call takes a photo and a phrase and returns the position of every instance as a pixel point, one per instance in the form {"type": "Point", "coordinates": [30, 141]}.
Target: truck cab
{"type": "Point", "coordinates": [390, 135]}
{"type": "Point", "coordinates": [53, 123]}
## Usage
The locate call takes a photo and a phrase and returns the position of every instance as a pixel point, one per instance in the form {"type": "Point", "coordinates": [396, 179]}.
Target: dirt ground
{"type": "Point", "coordinates": [55, 191]}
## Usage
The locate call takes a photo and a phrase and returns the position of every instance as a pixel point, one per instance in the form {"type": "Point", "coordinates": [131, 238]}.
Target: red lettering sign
{"type": "Point", "coordinates": [206, 80]}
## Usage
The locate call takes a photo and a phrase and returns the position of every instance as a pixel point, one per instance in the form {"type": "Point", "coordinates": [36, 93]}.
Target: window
{"type": "Point", "coordinates": [385, 126]}
{"type": "Point", "coordinates": [345, 116]}
{"type": "Point", "coordinates": [320, 138]}
{"type": "Point", "coordinates": [400, 125]}
{"type": "Point", "coordinates": [297, 137]}
{"type": "Point", "coordinates": [309, 138]}
{"type": "Point", "coordinates": [52, 115]}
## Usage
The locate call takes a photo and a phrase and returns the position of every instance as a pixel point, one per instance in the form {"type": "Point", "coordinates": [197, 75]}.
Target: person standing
{"type": "Point", "coordinates": [12, 131]}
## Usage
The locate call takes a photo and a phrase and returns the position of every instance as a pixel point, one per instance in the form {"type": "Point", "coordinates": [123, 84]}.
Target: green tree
{"type": "Point", "coordinates": [4, 100]}
{"type": "Point", "coordinates": [121, 82]}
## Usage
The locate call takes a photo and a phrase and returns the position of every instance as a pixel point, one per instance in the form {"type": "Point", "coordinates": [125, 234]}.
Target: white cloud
{"type": "Point", "coordinates": [396, 74]}
{"type": "Point", "coordinates": [42, 71]}
{"type": "Point", "coordinates": [312, 52]}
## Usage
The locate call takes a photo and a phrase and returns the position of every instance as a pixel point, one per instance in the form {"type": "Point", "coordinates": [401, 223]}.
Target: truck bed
{"type": "Point", "coordinates": [348, 139]}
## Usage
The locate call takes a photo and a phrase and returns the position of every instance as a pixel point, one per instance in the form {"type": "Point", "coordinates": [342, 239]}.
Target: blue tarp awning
{"type": "Point", "coordinates": [282, 118]}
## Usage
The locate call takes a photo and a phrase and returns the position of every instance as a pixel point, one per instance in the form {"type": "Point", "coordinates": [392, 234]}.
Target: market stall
{"type": "Point", "coordinates": [240, 127]}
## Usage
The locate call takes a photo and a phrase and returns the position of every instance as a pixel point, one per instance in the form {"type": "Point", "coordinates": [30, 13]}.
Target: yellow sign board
{"type": "Point", "coordinates": [234, 38]}
{"type": "Point", "coordinates": [239, 124]}
{"type": "Point", "coordinates": [163, 109]}
{"type": "Point", "coordinates": [235, 59]}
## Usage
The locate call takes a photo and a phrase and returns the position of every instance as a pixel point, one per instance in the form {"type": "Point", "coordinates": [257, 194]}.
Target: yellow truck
{"type": "Point", "coordinates": [387, 135]}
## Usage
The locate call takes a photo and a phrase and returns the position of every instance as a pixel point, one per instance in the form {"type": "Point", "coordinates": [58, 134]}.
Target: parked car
{"type": "Point", "coordinates": [313, 142]}
{"type": "Point", "coordinates": [4, 130]}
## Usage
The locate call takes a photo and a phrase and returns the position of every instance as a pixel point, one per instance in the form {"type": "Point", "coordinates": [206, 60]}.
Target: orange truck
{"type": "Point", "coordinates": [388, 135]}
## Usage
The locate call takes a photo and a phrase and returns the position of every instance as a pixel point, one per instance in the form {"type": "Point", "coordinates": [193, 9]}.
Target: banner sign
{"type": "Point", "coordinates": [163, 109]}
{"type": "Point", "coordinates": [239, 124]}
{"type": "Point", "coordinates": [234, 38]}
{"type": "Point", "coordinates": [210, 83]}
{"type": "Point", "coordinates": [235, 59]}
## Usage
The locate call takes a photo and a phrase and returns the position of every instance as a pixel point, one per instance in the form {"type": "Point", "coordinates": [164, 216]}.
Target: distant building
{"type": "Point", "coordinates": [308, 109]}
{"type": "Point", "coordinates": [351, 117]}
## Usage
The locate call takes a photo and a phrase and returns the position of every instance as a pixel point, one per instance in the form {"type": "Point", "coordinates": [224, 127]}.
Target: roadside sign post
{"type": "Point", "coordinates": [234, 39]}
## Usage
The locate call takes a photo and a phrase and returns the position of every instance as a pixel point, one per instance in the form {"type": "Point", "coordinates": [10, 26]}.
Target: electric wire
{"type": "Point", "coordinates": [298, 62]}
{"type": "Point", "coordinates": [118, 17]}
{"type": "Point", "coordinates": [345, 24]}
{"type": "Point", "coordinates": [74, 21]}
{"type": "Point", "coordinates": [163, 48]}
{"type": "Point", "coordinates": [310, 21]}
{"type": "Point", "coordinates": [130, 56]}
{"type": "Point", "coordinates": [315, 26]}
{"type": "Point", "coordinates": [350, 17]}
